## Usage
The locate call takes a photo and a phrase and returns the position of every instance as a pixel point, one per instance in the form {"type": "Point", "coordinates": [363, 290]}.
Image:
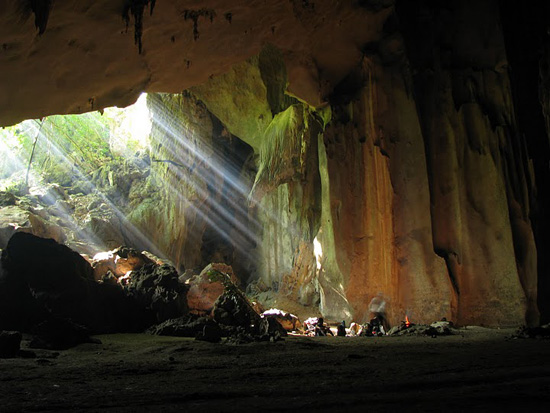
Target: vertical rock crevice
{"type": "Point", "coordinates": [527, 39]}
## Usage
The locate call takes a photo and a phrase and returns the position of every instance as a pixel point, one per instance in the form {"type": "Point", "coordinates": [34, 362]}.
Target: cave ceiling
{"type": "Point", "coordinates": [76, 56]}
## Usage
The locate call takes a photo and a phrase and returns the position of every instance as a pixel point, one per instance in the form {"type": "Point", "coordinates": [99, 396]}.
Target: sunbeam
{"type": "Point", "coordinates": [188, 193]}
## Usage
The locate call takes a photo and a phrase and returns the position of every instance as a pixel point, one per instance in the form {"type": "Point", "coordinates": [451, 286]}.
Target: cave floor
{"type": "Point", "coordinates": [478, 369]}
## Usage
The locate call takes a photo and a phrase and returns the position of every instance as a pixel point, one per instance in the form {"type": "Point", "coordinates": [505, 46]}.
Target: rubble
{"type": "Point", "coordinates": [225, 311]}
{"type": "Point", "coordinates": [157, 289]}
{"type": "Point", "coordinates": [315, 326]}
{"type": "Point", "coordinates": [541, 332]}
{"type": "Point", "coordinates": [50, 290]}
{"type": "Point", "coordinates": [41, 277]}
{"type": "Point", "coordinates": [438, 328]}
{"type": "Point", "coordinates": [288, 321]}
{"type": "Point", "coordinates": [119, 262]}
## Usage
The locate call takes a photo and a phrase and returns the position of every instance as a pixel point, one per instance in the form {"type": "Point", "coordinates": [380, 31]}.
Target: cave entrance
{"type": "Point", "coordinates": [162, 175]}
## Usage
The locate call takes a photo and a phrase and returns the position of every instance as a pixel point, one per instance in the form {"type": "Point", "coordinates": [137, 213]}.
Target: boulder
{"type": "Point", "coordinates": [119, 262]}
{"type": "Point", "coordinates": [158, 290]}
{"type": "Point", "coordinates": [17, 219]}
{"type": "Point", "coordinates": [103, 263]}
{"type": "Point", "coordinates": [129, 259]}
{"type": "Point", "coordinates": [204, 290]}
{"type": "Point", "coordinates": [288, 321]}
{"type": "Point", "coordinates": [42, 281]}
{"type": "Point", "coordinates": [237, 315]}
{"type": "Point", "coordinates": [10, 343]}
{"type": "Point", "coordinates": [7, 198]}
{"type": "Point", "coordinates": [46, 229]}
{"type": "Point", "coordinates": [105, 226]}
{"type": "Point", "coordinates": [48, 194]}
{"type": "Point", "coordinates": [230, 315]}
{"type": "Point", "coordinates": [41, 277]}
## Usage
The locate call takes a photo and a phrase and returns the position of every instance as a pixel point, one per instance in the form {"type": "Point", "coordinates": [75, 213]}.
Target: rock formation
{"type": "Point", "coordinates": [394, 135]}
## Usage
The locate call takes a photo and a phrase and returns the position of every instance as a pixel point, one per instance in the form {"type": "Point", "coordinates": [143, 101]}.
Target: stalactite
{"type": "Point", "coordinates": [194, 16]}
{"type": "Point", "coordinates": [41, 10]}
{"type": "Point", "coordinates": [136, 7]}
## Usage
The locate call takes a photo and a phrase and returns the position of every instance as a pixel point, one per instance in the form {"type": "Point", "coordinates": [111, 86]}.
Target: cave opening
{"type": "Point", "coordinates": [90, 179]}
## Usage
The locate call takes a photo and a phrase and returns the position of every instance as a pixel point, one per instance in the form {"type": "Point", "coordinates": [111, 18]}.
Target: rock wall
{"type": "Point", "coordinates": [414, 181]}
{"type": "Point", "coordinates": [381, 201]}
{"type": "Point", "coordinates": [406, 140]}
{"type": "Point", "coordinates": [425, 184]}
{"type": "Point", "coordinates": [184, 207]}
{"type": "Point", "coordinates": [527, 39]}
{"type": "Point", "coordinates": [479, 169]}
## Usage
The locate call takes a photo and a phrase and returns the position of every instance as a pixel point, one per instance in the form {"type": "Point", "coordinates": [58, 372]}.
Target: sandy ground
{"type": "Point", "coordinates": [476, 370]}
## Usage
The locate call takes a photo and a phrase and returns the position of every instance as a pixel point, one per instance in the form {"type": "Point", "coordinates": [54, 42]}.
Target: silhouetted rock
{"type": "Point", "coordinates": [42, 280]}
{"type": "Point", "coordinates": [288, 321]}
{"type": "Point", "coordinates": [186, 326]}
{"type": "Point", "coordinates": [157, 288]}
{"type": "Point", "coordinates": [211, 333]}
{"type": "Point", "coordinates": [10, 342]}
{"type": "Point", "coordinates": [41, 277]}
{"type": "Point", "coordinates": [533, 332]}
{"type": "Point", "coordinates": [60, 334]}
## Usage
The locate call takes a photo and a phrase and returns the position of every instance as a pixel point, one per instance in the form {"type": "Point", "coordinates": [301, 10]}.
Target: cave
{"type": "Point", "coordinates": [338, 160]}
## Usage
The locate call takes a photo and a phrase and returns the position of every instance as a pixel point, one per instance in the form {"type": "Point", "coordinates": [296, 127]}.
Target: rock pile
{"type": "Point", "coordinates": [51, 291]}
{"type": "Point", "coordinates": [220, 309]}
{"type": "Point", "coordinates": [541, 332]}
{"type": "Point", "coordinates": [438, 328]}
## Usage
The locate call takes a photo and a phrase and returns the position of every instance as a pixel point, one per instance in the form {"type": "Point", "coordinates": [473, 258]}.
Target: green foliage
{"type": "Point", "coordinates": [69, 147]}
{"type": "Point", "coordinates": [15, 188]}
{"type": "Point", "coordinates": [217, 276]}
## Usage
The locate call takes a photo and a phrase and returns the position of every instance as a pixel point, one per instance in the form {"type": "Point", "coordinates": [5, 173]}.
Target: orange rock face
{"type": "Point", "coordinates": [203, 291]}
